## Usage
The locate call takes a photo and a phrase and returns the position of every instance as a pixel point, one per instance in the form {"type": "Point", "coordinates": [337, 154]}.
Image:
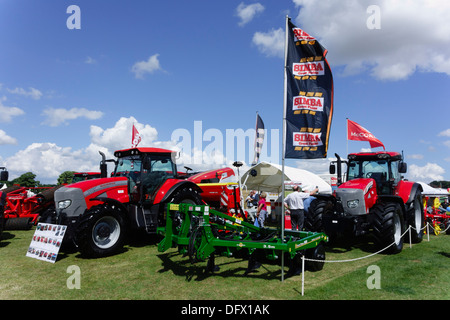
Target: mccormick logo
{"type": "Point", "coordinates": [306, 139]}
{"type": "Point", "coordinates": [308, 103]}
{"type": "Point", "coordinates": [315, 68]}
{"type": "Point", "coordinates": [300, 35]}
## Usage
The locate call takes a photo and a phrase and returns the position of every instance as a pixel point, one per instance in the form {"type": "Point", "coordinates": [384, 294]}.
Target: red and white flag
{"type": "Point", "coordinates": [135, 138]}
{"type": "Point", "coordinates": [359, 133]}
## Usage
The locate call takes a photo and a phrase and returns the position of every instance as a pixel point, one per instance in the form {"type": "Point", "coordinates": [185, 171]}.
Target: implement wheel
{"type": "Point", "coordinates": [318, 255]}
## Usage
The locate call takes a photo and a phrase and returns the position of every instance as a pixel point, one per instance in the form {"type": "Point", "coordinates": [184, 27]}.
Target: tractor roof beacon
{"type": "Point", "coordinates": [375, 198]}
{"type": "Point", "coordinates": [100, 212]}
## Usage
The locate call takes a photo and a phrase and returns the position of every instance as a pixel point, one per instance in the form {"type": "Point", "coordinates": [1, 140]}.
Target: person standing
{"type": "Point", "coordinates": [294, 203]}
{"type": "Point", "coordinates": [261, 212]}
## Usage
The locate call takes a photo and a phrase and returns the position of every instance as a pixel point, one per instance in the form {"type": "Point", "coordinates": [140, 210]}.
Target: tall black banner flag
{"type": "Point", "coordinates": [309, 96]}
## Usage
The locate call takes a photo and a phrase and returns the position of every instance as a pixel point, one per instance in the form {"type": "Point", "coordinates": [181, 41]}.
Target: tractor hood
{"type": "Point", "coordinates": [357, 196]}
{"type": "Point", "coordinates": [72, 200]}
{"type": "Point", "coordinates": [364, 184]}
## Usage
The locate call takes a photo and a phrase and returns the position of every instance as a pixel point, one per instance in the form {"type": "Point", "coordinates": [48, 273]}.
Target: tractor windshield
{"type": "Point", "coordinates": [128, 166]}
{"type": "Point", "coordinates": [367, 169]}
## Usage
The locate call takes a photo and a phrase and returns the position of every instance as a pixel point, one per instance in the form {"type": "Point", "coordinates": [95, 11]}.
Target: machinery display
{"type": "Point", "coordinates": [100, 212]}
{"type": "Point", "coordinates": [375, 198]}
{"type": "Point", "coordinates": [204, 233]}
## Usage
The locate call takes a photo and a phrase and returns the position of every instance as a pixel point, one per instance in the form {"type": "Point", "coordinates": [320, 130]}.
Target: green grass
{"type": "Point", "coordinates": [141, 273]}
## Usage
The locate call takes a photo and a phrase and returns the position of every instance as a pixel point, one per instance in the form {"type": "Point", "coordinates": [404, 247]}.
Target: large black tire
{"type": "Point", "coordinates": [388, 226]}
{"type": "Point", "coordinates": [184, 195]}
{"type": "Point", "coordinates": [318, 255]}
{"type": "Point", "coordinates": [416, 219]}
{"type": "Point", "coordinates": [317, 209]}
{"type": "Point", "coordinates": [102, 232]}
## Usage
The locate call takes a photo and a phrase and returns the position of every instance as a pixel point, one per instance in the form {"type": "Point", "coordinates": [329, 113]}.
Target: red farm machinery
{"type": "Point", "coordinates": [375, 199]}
{"type": "Point", "coordinates": [101, 212]}
{"type": "Point", "coordinates": [22, 206]}
{"type": "Point", "coordinates": [437, 218]}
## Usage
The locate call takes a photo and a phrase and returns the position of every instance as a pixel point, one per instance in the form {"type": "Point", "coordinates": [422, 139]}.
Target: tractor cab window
{"type": "Point", "coordinates": [156, 170]}
{"type": "Point", "coordinates": [375, 169]}
{"type": "Point", "coordinates": [129, 167]}
{"type": "Point", "coordinates": [395, 174]}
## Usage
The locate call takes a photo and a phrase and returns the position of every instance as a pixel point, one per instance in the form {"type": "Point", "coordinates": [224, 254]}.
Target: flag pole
{"type": "Point", "coordinates": [346, 134]}
{"type": "Point", "coordinates": [283, 211]}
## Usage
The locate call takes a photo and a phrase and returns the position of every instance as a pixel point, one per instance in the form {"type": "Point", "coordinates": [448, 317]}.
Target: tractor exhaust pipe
{"type": "Point", "coordinates": [339, 169]}
{"type": "Point", "coordinates": [103, 166]}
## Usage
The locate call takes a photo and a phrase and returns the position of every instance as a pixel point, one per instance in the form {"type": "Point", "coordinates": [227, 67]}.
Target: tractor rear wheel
{"type": "Point", "coordinates": [416, 219]}
{"type": "Point", "coordinates": [388, 226]}
{"type": "Point", "coordinates": [102, 233]}
{"type": "Point", "coordinates": [184, 195]}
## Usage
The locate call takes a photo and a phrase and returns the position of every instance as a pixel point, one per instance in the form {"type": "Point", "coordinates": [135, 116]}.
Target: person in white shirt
{"type": "Point", "coordinates": [294, 204]}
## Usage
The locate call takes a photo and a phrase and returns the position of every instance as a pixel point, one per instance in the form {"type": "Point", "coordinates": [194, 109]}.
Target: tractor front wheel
{"type": "Point", "coordinates": [102, 233]}
{"type": "Point", "coordinates": [388, 226]}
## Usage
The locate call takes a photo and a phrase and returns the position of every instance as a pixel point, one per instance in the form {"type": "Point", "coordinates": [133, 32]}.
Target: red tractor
{"type": "Point", "coordinates": [100, 212]}
{"type": "Point", "coordinates": [375, 198]}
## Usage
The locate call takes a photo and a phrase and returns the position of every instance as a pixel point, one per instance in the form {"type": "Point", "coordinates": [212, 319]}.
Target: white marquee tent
{"type": "Point", "coordinates": [268, 178]}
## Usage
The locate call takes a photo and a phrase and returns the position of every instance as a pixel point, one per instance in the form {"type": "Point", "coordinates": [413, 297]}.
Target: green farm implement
{"type": "Point", "coordinates": [202, 233]}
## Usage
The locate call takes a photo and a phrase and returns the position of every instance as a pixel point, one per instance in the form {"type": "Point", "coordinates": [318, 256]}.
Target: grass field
{"type": "Point", "coordinates": [142, 273]}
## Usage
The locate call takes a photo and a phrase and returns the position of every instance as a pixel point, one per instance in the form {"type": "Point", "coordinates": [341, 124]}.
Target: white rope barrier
{"type": "Point", "coordinates": [365, 257]}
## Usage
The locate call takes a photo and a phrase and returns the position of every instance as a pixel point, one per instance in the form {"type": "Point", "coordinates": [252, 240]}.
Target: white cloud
{"type": "Point", "coordinates": [7, 113]}
{"type": "Point", "coordinates": [246, 13]}
{"type": "Point", "coordinates": [90, 60]}
{"type": "Point", "coordinates": [414, 35]}
{"type": "Point", "coordinates": [5, 139]}
{"type": "Point", "coordinates": [445, 133]}
{"type": "Point", "coordinates": [270, 43]}
{"type": "Point", "coordinates": [426, 173]}
{"type": "Point", "coordinates": [56, 117]}
{"type": "Point", "coordinates": [150, 66]}
{"type": "Point", "coordinates": [32, 93]}
{"type": "Point", "coordinates": [119, 136]}
{"type": "Point", "coordinates": [415, 156]}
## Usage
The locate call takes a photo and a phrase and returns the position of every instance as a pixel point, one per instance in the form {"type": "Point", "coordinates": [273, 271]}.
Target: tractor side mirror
{"type": "Point", "coordinates": [332, 168]}
{"type": "Point", "coordinates": [402, 167]}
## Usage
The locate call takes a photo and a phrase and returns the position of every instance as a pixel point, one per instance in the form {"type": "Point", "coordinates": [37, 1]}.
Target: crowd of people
{"type": "Point", "coordinates": [296, 204]}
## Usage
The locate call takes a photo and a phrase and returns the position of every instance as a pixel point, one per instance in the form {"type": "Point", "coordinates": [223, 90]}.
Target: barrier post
{"type": "Point", "coordinates": [303, 275]}
{"type": "Point", "coordinates": [428, 232]}
{"type": "Point", "coordinates": [410, 242]}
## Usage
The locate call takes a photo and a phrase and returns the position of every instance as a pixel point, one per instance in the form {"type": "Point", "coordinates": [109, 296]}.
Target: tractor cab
{"type": "Point", "coordinates": [146, 169]}
{"type": "Point", "coordinates": [383, 167]}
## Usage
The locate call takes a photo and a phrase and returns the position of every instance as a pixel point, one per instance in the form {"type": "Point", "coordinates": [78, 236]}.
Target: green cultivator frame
{"type": "Point", "coordinates": [201, 233]}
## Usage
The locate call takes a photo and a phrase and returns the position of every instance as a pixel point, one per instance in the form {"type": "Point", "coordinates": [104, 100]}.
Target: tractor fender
{"type": "Point", "coordinates": [407, 191]}
{"type": "Point", "coordinates": [327, 197]}
{"type": "Point", "coordinates": [112, 202]}
{"type": "Point", "coordinates": [416, 187]}
{"type": "Point", "coordinates": [170, 186]}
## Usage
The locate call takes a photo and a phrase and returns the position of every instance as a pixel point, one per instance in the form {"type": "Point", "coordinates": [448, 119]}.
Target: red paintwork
{"type": "Point", "coordinates": [368, 185]}
{"type": "Point", "coordinates": [211, 174]}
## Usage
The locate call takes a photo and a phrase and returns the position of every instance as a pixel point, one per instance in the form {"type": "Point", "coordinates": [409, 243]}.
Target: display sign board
{"type": "Point", "coordinates": [46, 242]}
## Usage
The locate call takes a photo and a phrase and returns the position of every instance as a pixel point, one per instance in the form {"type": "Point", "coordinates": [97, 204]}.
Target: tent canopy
{"type": "Point", "coordinates": [430, 191]}
{"type": "Point", "coordinates": [268, 178]}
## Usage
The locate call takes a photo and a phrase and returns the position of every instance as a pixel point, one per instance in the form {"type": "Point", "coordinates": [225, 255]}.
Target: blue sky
{"type": "Point", "coordinates": [67, 93]}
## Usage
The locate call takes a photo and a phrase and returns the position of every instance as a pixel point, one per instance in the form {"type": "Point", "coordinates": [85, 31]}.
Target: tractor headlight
{"type": "Point", "coordinates": [64, 204]}
{"type": "Point", "coordinates": [352, 204]}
